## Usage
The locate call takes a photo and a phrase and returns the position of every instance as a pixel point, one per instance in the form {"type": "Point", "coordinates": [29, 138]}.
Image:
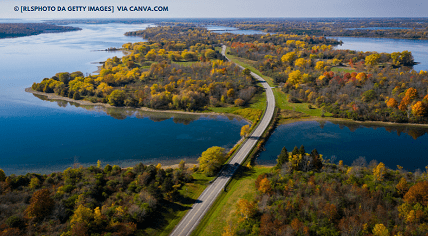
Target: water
{"type": "Point", "coordinates": [43, 136]}
{"type": "Point", "coordinates": [232, 30]}
{"type": "Point", "coordinates": [392, 145]}
{"type": "Point", "coordinates": [379, 28]}
{"type": "Point", "coordinates": [417, 47]}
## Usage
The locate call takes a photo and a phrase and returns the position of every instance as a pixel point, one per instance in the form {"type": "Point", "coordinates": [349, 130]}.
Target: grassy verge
{"type": "Point", "coordinates": [224, 208]}
{"type": "Point", "coordinates": [173, 212]}
{"type": "Point", "coordinates": [342, 69]}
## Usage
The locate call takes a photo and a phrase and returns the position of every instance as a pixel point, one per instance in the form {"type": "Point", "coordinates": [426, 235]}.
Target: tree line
{"type": "Point", "coordinates": [11, 30]}
{"type": "Point", "coordinates": [306, 195]}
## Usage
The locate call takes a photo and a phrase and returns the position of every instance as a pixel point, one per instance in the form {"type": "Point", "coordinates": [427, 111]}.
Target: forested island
{"type": "Point", "coordinates": [185, 71]}
{"type": "Point", "coordinates": [13, 30]}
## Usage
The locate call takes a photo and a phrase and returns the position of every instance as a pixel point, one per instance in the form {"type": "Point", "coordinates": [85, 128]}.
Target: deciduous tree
{"type": "Point", "coordinates": [211, 160]}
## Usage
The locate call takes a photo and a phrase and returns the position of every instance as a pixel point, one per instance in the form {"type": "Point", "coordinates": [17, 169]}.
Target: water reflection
{"type": "Point", "coordinates": [123, 113]}
{"type": "Point", "coordinates": [392, 144]}
{"type": "Point", "coordinates": [413, 131]}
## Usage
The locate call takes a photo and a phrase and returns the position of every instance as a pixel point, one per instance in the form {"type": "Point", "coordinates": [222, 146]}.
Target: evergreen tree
{"type": "Point", "coordinates": [295, 151]}
{"type": "Point", "coordinates": [317, 161]}
{"type": "Point", "coordinates": [302, 150]}
{"type": "Point", "coordinates": [282, 158]}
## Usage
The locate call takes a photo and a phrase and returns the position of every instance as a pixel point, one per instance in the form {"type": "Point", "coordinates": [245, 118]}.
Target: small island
{"type": "Point", "coordinates": [13, 30]}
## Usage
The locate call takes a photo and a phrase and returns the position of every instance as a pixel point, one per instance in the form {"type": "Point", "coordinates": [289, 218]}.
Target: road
{"type": "Point", "coordinates": [207, 198]}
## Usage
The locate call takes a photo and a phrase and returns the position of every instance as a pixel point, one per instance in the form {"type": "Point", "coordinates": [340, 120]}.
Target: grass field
{"type": "Point", "coordinates": [223, 210]}
{"type": "Point", "coordinates": [342, 69]}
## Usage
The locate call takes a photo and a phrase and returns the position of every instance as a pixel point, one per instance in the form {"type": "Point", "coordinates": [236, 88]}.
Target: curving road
{"type": "Point", "coordinates": [207, 198]}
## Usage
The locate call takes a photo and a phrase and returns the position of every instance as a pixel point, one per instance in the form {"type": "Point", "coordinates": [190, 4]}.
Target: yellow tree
{"type": "Point", "coordinates": [289, 57]}
{"type": "Point", "coordinates": [245, 130]}
{"type": "Point", "coordinates": [230, 93]}
{"type": "Point", "coordinates": [301, 62]}
{"type": "Point", "coordinates": [246, 209]}
{"type": "Point", "coordinates": [402, 186]}
{"type": "Point", "coordinates": [211, 160]}
{"type": "Point", "coordinates": [372, 60]}
{"type": "Point", "coordinates": [319, 65]}
{"type": "Point", "coordinates": [380, 230]}
{"type": "Point", "coordinates": [379, 172]}
{"type": "Point", "coordinates": [295, 77]}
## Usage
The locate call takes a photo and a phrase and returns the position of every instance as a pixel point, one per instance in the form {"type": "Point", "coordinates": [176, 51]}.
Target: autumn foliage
{"type": "Point", "coordinates": [338, 200]}
{"type": "Point", "coordinates": [417, 194]}
{"type": "Point", "coordinates": [41, 204]}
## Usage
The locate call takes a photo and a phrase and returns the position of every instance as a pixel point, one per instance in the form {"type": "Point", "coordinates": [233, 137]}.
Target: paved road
{"type": "Point", "coordinates": [207, 198]}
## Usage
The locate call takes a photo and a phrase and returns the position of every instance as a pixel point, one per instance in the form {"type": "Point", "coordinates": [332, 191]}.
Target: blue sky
{"type": "Point", "coordinates": [227, 8]}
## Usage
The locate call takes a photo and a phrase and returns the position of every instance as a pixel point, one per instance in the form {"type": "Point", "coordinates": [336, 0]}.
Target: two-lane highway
{"type": "Point", "coordinates": [207, 198]}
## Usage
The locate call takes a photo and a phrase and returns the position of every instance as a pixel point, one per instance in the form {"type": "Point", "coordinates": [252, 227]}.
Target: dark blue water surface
{"type": "Point", "coordinates": [392, 145]}
{"type": "Point", "coordinates": [43, 136]}
{"type": "Point", "coordinates": [379, 28]}
{"type": "Point", "coordinates": [417, 47]}
{"type": "Point", "coordinates": [232, 30]}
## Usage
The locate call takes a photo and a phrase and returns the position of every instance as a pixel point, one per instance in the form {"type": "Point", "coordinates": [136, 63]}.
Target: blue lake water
{"type": "Point", "coordinates": [417, 47]}
{"type": "Point", "coordinates": [43, 136]}
{"type": "Point", "coordinates": [392, 145]}
{"type": "Point", "coordinates": [379, 28]}
{"type": "Point", "coordinates": [232, 30]}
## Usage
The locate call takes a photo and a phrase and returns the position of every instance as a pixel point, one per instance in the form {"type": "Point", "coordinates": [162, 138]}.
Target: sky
{"type": "Point", "coordinates": [223, 8]}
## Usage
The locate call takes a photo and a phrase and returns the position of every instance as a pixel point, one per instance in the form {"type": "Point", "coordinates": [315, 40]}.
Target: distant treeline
{"type": "Point", "coordinates": [407, 28]}
{"type": "Point", "coordinates": [12, 30]}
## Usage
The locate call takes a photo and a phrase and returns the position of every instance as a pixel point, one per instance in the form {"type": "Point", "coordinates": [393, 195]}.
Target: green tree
{"type": "Point", "coordinates": [302, 150]}
{"type": "Point", "coordinates": [282, 158]}
{"type": "Point", "coordinates": [210, 54]}
{"type": "Point", "coordinates": [368, 95]}
{"type": "Point", "coordinates": [211, 160]}
{"type": "Point", "coordinates": [246, 71]}
{"type": "Point", "coordinates": [316, 159]}
{"type": "Point", "coordinates": [34, 183]}
{"type": "Point", "coordinates": [116, 98]}
{"type": "Point", "coordinates": [295, 151]}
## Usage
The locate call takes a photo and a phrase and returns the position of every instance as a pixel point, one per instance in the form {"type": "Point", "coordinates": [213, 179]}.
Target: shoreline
{"type": "Point", "coordinates": [379, 123]}
{"type": "Point", "coordinates": [53, 96]}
